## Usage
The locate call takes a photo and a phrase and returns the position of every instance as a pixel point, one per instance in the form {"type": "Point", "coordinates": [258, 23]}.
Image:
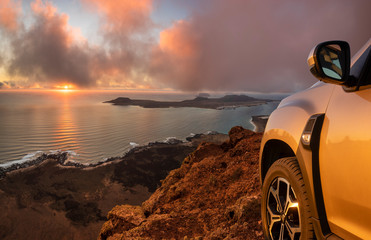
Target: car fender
{"type": "Point", "coordinates": [287, 122]}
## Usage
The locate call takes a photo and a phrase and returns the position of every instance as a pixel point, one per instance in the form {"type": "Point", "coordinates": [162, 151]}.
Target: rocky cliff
{"type": "Point", "coordinates": [215, 194]}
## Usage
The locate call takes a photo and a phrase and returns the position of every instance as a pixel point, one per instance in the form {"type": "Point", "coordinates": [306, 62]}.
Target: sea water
{"type": "Point", "coordinates": [36, 122]}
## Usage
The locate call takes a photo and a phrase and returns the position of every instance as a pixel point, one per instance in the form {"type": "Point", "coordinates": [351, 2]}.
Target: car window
{"type": "Point", "coordinates": [359, 60]}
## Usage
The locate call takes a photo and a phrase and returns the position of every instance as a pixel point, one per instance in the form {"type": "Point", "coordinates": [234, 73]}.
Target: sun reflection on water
{"type": "Point", "coordinates": [66, 128]}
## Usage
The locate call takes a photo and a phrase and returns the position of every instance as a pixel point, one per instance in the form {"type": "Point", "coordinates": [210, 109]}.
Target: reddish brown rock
{"type": "Point", "coordinates": [215, 194]}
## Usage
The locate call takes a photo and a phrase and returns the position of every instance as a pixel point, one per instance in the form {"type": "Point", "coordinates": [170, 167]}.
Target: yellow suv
{"type": "Point", "coordinates": [315, 157]}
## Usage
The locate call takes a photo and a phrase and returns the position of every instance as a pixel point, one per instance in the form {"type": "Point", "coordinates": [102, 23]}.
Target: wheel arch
{"type": "Point", "coordinates": [273, 150]}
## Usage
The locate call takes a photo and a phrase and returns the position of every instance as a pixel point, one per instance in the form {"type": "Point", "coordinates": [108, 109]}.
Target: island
{"type": "Point", "coordinates": [226, 102]}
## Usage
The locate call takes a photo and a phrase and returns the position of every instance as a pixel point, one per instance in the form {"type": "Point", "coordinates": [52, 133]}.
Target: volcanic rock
{"type": "Point", "coordinates": [215, 194]}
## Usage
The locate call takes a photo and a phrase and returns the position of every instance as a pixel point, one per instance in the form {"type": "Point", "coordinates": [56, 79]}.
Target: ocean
{"type": "Point", "coordinates": [78, 122]}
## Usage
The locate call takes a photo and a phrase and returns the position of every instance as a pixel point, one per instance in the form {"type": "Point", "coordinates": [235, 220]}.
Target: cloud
{"type": "Point", "coordinates": [52, 52]}
{"type": "Point", "coordinates": [254, 45]}
{"type": "Point", "coordinates": [174, 61]}
{"type": "Point", "coordinates": [122, 17]}
{"type": "Point", "coordinates": [9, 12]}
{"type": "Point", "coordinates": [235, 45]}
{"type": "Point", "coordinates": [126, 31]}
{"type": "Point", "coordinates": [7, 85]}
{"type": "Point", "coordinates": [125, 27]}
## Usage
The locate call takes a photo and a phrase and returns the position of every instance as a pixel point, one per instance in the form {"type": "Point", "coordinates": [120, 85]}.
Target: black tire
{"type": "Point", "coordinates": [285, 206]}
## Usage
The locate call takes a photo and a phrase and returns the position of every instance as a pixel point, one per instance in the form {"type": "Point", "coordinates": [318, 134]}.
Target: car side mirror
{"type": "Point", "coordinates": [330, 62]}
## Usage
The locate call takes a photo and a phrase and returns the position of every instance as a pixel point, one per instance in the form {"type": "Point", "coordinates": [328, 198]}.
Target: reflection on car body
{"type": "Point", "coordinates": [315, 154]}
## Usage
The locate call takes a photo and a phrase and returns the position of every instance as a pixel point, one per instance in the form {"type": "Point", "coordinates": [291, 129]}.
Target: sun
{"type": "Point", "coordinates": [65, 87]}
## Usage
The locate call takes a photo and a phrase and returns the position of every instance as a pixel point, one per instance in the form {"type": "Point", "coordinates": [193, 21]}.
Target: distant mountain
{"type": "Point", "coordinates": [228, 101]}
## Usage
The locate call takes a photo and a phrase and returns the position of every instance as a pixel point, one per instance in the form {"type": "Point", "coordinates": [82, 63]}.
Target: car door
{"type": "Point", "coordinates": [345, 162]}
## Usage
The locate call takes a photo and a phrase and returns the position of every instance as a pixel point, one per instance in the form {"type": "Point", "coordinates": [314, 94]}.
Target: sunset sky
{"type": "Point", "coordinates": [188, 45]}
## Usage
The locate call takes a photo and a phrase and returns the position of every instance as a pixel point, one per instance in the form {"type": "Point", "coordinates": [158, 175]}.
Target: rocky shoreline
{"type": "Point", "coordinates": [53, 198]}
{"type": "Point", "coordinates": [62, 158]}
{"type": "Point", "coordinates": [259, 122]}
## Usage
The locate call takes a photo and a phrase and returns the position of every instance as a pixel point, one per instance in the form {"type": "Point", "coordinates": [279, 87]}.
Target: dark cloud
{"type": "Point", "coordinates": [49, 51]}
{"type": "Point", "coordinates": [7, 85]}
{"type": "Point", "coordinates": [43, 55]}
{"type": "Point", "coordinates": [254, 45]}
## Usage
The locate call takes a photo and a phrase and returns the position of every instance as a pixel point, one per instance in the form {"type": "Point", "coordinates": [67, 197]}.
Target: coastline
{"type": "Point", "coordinates": [62, 157]}
{"type": "Point", "coordinates": [259, 122]}
{"type": "Point", "coordinates": [73, 199]}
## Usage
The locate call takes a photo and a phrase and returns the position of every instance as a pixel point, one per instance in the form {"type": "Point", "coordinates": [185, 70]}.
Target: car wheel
{"type": "Point", "coordinates": [285, 208]}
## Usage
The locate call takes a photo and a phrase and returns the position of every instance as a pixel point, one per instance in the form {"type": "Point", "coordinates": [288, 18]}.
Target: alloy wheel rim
{"type": "Point", "coordinates": [283, 215]}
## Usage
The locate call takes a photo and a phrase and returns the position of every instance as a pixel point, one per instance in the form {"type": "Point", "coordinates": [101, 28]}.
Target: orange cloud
{"type": "Point", "coordinates": [9, 12]}
{"type": "Point", "coordinates": [178, 40]}
{"type": "Point", "coordinates": [46, 9]}
{"type": "Point", "coordinates": [174, 60]}
{"type": "Point", "coordinates": [123, 16]}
